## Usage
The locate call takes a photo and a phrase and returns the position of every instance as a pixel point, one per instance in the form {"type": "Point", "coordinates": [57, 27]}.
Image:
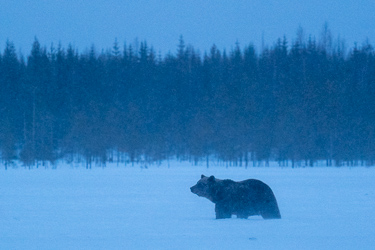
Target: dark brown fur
{"type": "Point", "coordinates": [243, 198]}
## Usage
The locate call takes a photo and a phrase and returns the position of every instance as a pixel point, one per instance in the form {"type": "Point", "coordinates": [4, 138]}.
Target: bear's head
{"type": "Point", "coordinates": [204, 186]}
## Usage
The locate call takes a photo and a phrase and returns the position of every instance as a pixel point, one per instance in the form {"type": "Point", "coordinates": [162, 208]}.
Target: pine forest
{"type": "Point", "coordinates": [300, 100]}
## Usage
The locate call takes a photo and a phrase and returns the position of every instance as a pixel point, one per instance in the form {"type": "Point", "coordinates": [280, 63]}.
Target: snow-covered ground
{"type": "Point", "coordinates": [138, 208]}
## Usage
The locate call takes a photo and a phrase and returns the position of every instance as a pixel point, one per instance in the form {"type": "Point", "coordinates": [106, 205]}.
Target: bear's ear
{"type": "Point", "coordinates": [202, 176]}
{"type": "Point", "coordinates": [211, 179]}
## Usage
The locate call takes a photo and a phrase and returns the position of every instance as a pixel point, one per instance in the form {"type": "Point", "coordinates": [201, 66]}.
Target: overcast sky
{"type": "Point", "coordinates": [161, 22]}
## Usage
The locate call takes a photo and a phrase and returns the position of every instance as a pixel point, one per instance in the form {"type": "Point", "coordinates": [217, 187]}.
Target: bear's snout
{"type": "Point", "coordinates": [194, 190]}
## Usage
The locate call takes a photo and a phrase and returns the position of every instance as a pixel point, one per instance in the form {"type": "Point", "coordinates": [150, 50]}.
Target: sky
{"type": "Point", "coordinates": [202, 23]}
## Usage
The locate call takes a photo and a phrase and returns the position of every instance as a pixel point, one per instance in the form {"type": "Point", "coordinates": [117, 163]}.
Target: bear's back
{"type": "Point", "coordinates": [257, 186]}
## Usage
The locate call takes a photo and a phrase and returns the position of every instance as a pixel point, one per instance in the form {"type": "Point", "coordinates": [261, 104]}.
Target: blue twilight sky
{"type": "Point", "coordinates": [201, 22]}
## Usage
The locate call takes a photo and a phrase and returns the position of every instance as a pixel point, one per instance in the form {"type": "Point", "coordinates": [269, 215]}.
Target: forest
{"type": "Point", "coordinates": [305, 100]}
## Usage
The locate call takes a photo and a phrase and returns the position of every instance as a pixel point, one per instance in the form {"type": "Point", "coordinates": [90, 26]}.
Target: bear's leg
{"type": "Point", "coordinates": [223, 215]}
{"type": "Point", "coordinates": [242, 216]}
{"type": "Point", "coordinates": [222, 212]}
{"type": "Point", "coordinates": [270, 210]}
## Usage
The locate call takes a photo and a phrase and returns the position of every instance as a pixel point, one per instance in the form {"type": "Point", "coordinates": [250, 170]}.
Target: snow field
{"type": "Point", "coordinates": [137, 208]}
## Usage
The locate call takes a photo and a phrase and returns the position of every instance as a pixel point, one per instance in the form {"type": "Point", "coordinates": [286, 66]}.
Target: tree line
{"type": "Point", "coordinates": [304, 100]}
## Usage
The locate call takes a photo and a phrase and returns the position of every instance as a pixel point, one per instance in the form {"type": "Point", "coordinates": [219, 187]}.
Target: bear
{"type": "Point", "coordinates": [243, 198]}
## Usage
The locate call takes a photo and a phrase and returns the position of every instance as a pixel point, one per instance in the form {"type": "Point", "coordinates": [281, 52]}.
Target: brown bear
{"type": "Point", "coordinates": [243, 198]}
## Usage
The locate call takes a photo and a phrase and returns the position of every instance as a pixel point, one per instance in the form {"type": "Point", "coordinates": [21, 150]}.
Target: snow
{"type": "Point", "coordinates": [153, 208]}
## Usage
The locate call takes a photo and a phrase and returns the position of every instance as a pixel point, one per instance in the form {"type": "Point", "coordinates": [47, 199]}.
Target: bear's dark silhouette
{"type": "Point", "coordinates": [243, 198]}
